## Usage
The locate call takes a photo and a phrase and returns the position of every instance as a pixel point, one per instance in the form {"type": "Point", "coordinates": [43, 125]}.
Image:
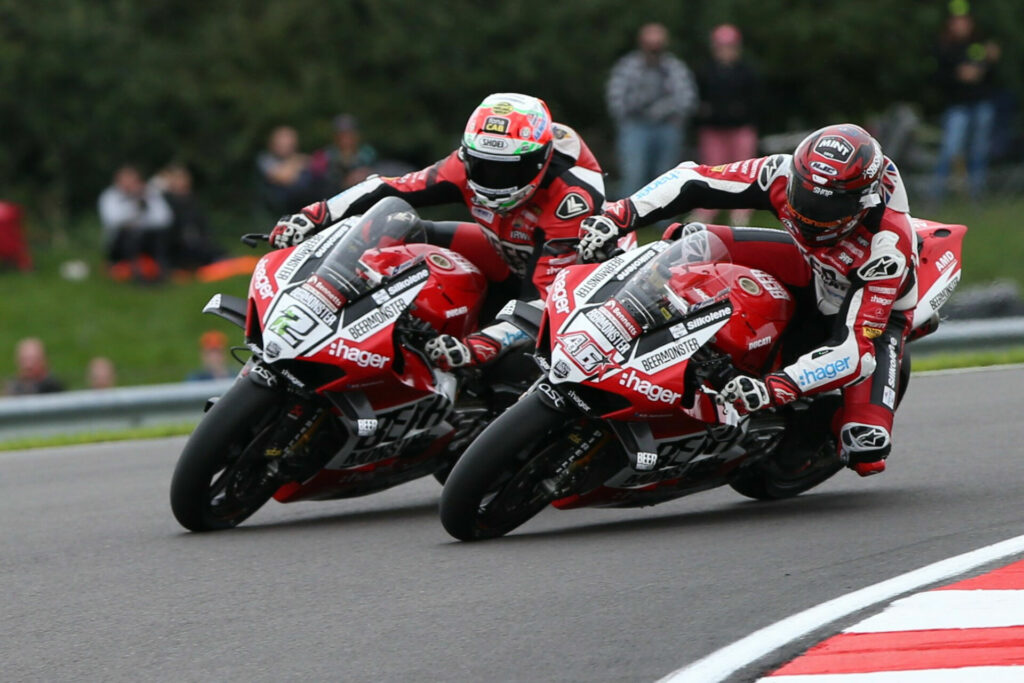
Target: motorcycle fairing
{"type": "Point", "coordinates": [939, 266]}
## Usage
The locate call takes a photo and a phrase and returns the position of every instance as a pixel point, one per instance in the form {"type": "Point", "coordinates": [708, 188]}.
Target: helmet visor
{"type": "Point", "coordinates": [823, 213]}
{"type": "Point", "coordinates": [503, 175]}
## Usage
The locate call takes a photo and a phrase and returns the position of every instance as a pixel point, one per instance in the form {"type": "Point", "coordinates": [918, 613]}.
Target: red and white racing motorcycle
{"type": "Point", "coordinates": [633, 352]}
{"type": "Point", "coordinates": [338, 399]}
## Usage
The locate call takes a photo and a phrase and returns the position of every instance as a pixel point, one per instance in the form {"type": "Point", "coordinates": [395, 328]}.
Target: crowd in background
{"type": "Point", "coordinates": [663, 112]}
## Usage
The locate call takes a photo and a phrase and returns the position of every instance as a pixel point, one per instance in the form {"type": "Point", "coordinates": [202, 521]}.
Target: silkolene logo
{"type": "Point", "coordinates": [829, 371]}
{"type": "Point", "coordinates": [653, 392]}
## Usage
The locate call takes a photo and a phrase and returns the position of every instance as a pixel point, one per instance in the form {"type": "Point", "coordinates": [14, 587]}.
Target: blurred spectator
{"type": "Point", "coordinates": [191, 244]}
{"type": "Point", "coordinates": [966, 72]}
{"type": "Point", "coordinates": [136, 222]}
{"type": "Point", "coordinates": [286, 183]}
{"type": "Point", "coordinates": [345, 162]}
{"type": "Point", "coordinates": [213, 347]}
{"type": "Point", "coordinates": [727, 117]}
{"type": "Point", "coordinates": [13, 248]}
{"type": "Point", "coordinates": [651, 94]}
{"type": "Point", "coordinates": [33, 372]}
{"type": "Point", "coordinates": [100, 373]}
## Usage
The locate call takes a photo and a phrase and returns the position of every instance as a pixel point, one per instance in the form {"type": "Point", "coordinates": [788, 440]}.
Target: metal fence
{"type": "Point", "coordinates": [89, 411]}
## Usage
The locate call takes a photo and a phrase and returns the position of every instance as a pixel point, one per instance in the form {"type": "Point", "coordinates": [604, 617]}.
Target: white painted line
{"type": "Point", "coordinates": [746, 651]}
{"type": "Point", "coordinates": [948, 609]}
{"type": "Point", "coordinates": [988, 674]}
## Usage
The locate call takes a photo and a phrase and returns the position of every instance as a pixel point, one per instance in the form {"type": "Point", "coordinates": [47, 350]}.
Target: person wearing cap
{"type": "Point", "coordinates": [347, 160]}
{"type": "Point", "coordinates": [651, 95]}
{"type": "Point", "coordinates": [213, 346]}
{"type": "Point", "coordinates": [727, 116]}
{"type": "Point", "coordinates": [524, 178]}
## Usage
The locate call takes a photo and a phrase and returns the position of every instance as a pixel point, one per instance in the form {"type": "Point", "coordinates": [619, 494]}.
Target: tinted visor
{"type": "Point", "coordinates": [503, 175]}
{"type": "Point", "coordinates": [822, 213]}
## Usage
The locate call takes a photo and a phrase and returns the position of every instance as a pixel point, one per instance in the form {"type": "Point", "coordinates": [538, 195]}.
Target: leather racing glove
{"type": "Point", "coordinates": [447, 352]}
{"type": "Point", "coordinates": [598, 235]}
{"type": "Point", "coordinates": [749, 394]}
{"type": "Point", "coordinates": [294, 229]}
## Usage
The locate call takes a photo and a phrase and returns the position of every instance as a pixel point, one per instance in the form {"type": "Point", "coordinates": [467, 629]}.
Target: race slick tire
{"type": "Point", "coordinates": [805, 458]}
{"type": "Point", "coordinates": [766, 484]}
{"type": "Point", "coordinates": [497, 484]}
{"type": "Point", "coordinates": [221, 477]}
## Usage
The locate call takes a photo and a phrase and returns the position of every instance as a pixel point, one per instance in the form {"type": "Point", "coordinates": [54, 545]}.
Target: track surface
{"type": "Point", "coordinates": [97, 581]}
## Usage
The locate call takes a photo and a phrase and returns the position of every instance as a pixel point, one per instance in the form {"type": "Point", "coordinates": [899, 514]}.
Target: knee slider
{"type": "Point", "coordinates": [864, 443]}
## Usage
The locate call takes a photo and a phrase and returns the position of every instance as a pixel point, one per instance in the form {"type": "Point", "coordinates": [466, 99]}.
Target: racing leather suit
{"type": "Point", "coordinates": [865, 285]}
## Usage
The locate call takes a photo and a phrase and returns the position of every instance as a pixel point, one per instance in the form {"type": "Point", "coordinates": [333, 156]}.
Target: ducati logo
{"type": "Point", "coordinates": [573, 205]}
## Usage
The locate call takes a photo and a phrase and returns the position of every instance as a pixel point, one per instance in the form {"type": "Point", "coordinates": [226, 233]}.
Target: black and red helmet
{"type": "Point", "coordinates": [834, 183]}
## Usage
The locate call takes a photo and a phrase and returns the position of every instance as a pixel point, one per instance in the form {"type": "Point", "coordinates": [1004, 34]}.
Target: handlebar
{"type": "Point", "coordinates": [253, 239]}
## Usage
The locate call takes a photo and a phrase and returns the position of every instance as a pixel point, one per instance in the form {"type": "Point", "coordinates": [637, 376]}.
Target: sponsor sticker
{"type": "Point", "coordinates": [824, 372]}
{"type": "Point", "coordinates": [668, 355]}
{"type": "Point", "coordinates": [502, 108]}
{"type": "Point", "coordinates": [945, 261]}
{"type": "Point", "coordinates": [314, 303]}
{"type": "Point", "coordinates": [364, 359]}
{"type": "Point", "coordinates": [871, 332]}
{"type": "Point", "coordinates": [652, 392]}
{"type": "Point", "coordinates": [496, 124]}
{"type": "Point", "coordinates": [758, 343]}
{"type": "Point", "coordinates": [823, 168]}
{"type": "Point", "coordinates": [834, 147]}
{"type": "Point", "coordinates": [456, 312]}
{"type": "Point", "coordinates": [558, 295]}
{"type": "Point", "coordinates": [260, 281]}
{"type": "Point", "coordinates": [773, 286]}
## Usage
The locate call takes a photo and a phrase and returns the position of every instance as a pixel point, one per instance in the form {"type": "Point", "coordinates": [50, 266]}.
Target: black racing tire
{"type": "Point", "coordinates": [501, 456]}
{"type": "Point", "coordinates": [225, 442]}
{"type": "Point", "coordinates": [763, 484]}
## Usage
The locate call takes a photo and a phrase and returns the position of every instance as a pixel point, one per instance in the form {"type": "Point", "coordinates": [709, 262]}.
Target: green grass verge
{"type": "Point", "coordinates": [968, 359]}
{"type": "Point", "coordinates": [150, 332]}
{"type": "Point", "coordinates": [54, 440]}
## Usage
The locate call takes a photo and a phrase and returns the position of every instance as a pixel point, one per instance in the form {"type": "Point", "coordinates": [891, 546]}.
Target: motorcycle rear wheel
{"type": "Point", "coordinates": [497, 483]}
{"type": "Point", "coordinates": [221, 477]}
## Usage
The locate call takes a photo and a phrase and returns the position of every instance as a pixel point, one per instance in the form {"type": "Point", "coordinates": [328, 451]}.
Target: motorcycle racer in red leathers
{"type": "Point", "coordinates": [845, 210]}
{"type": "Point", "coordinates": [524, 178]}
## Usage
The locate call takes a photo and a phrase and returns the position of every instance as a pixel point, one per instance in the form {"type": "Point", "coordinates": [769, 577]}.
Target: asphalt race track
{"type": "Point", "coordinates": [98, 582]}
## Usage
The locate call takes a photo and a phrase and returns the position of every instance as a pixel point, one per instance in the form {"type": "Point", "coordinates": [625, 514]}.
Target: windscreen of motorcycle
{"type": "Point", "coordinates": [389, 222]}
{"type": "Point", "coordinates": [652, 297]}
{"type": "Point", "coordinates": [306, 315]}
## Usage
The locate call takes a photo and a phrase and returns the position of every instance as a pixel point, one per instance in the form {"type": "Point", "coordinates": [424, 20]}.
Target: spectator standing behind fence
{"type": "Point", "coordinates": [651, 95]}
{"type": "Point", "coordinates": [100, 373]}
{"type": "Point", "coordinates": [727, 116]}
{"type": "Point", "coordinates": [32, 370]}
{"type": "Point", "coordinates": [347, 160]}
{"type": "Point", "coordinates": [213, 354]}
{"type": "Point", "coordinates": [191, 244]}
{"type": "Point", "coordinates": [136, 222]}
{"type": "Point", "coordinates": [286, 183]}
{"type": "Point", "coordinates": [966, 75]}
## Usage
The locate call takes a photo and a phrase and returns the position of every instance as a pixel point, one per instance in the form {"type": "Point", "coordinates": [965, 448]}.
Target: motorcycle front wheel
{"type": "Point", "coordinates": [221, 477]}
{"type": "Point", "coordinates": [499, 482]}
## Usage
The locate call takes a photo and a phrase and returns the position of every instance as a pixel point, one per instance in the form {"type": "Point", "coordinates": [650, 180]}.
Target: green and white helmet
{"type": "Point", "coordinates": [506, 148]}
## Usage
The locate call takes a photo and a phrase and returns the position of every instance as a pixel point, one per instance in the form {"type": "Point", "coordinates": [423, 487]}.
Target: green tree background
{"type": "Point", "coordinates": [88, 84]}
